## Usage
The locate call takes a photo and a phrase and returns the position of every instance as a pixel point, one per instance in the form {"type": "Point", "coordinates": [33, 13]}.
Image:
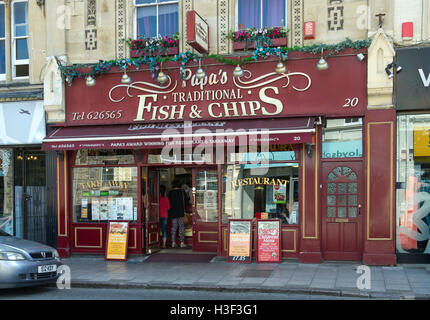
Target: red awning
{"type": "Point", "coordinates": [159, 135]}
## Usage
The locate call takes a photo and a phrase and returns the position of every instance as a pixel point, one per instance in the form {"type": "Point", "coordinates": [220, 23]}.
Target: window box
{"type": "Point", "coordinates": [240, 45]}
{"type": "Point", "coordinates": [170, 51]}
{"type": "Point", "coordinates": [243, 45]}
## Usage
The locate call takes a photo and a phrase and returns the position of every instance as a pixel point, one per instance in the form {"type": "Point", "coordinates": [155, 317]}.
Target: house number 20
{"type": "Point", "coordinates": [351, 102]}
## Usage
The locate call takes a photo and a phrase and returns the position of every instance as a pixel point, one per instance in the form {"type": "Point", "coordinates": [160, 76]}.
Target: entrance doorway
{"type": "Point", "coordinates": [200, 186]}
{"type": "Point", "coordinates": [342, 216]}
{"type": "Point", "coordinates": [32, 220]}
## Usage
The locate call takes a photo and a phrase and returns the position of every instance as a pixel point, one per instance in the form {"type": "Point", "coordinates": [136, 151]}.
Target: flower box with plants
{"type": "Point", "coordinates": [253, 37]}
{"type": "Point", "coordinates": [165, 46]}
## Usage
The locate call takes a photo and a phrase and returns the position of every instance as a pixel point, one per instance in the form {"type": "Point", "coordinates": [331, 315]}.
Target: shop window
{"type": "Point", "coordinates": [413, 184]}
{"type": "Point", "coordinates": [157, 17]}
{"type": "Point", "coordinates": [6, 190]}
{"type": "Point", "coordinates": [104, 157]}
{"type": "Point", "coordinates": [273, 194]}
{"type": "Point", "coordinates": [105, 193]}
{"type": "Point", "coordinates": [261, 13]}
{"type": "Point", "coordinates": [343, 138]}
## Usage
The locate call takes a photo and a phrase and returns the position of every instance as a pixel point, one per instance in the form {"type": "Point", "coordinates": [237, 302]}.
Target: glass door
{"type": "Point", "coordinates": [205, 209]}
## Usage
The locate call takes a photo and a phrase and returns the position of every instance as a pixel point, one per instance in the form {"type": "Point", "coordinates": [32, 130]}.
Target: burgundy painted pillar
{"type": "Point", "coordinates": [380, 164]}
{"type": "Point", "coordinates": [63, 234]}
{"type": "Point", "coordinates": [310, 242]}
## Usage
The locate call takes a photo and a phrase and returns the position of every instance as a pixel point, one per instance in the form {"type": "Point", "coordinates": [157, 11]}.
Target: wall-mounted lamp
{"type": "Point", "coordinates": [360, 57]}
{"type": "Point", "coordinates": [309, 150]}
{"type": "Point", "coordinates": [40, 2]}
{"type": "Point", "coordinates": [396, 67]}
{"type": "Point", "coordinates": [60, 155]}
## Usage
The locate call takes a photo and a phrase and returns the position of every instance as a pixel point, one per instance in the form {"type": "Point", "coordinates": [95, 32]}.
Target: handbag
{"type": "Point", "coordinates": [188, 216]}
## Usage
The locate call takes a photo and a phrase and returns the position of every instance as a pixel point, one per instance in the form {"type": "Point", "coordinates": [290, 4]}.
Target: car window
{"type": "Point", "coordinates": [4, 234]}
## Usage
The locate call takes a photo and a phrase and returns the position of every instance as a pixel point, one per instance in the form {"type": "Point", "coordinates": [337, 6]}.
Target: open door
{"type": "Point", "coordinates": [152, 211]}
{"type": "Point", "coordinates": [205, 209]}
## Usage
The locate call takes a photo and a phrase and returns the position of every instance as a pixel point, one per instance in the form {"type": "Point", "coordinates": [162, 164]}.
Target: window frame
{"type": "Point", "coordinates": [261, 16]}
{"type": "Point", "coordinates": [3, 75]}
{"type": "Point", "coordinates": [353, 123]}
{"type": "Point", "coordinates": [157, 4]}
{"type": "Point", "coordinates": [18, 62]}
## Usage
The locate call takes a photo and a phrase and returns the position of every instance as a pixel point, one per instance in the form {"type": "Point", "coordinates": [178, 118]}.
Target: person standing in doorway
{"type": "Point", "coordinates": [178, 202]}
{"type": "Point", "coordinates": [164, 213]}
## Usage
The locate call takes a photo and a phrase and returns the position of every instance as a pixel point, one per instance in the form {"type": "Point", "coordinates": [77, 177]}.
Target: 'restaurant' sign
{"type": "Point", "coordinates": [260, 93]}
{"type": "Point", "coordinates": [197, 32]}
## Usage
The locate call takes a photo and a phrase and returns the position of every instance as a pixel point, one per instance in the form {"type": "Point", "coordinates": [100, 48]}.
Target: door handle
{"type": "Point", "coordinates": [359, 209]}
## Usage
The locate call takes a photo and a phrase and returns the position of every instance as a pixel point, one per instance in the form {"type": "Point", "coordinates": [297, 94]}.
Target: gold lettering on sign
{"type": "Point", "coordinates": [258, 181]}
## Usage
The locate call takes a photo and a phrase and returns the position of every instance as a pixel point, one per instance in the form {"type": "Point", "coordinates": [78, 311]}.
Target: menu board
{"type": "Point", "coordinates": [269, 240]}
{"type": "Point", "coordinates": [239, 241]}
{"type": "Point", "coordinates": [117, 241]}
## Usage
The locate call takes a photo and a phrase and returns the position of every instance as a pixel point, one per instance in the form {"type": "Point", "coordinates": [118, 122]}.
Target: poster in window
{"type": "Point", "coordinates": [239, 241]}
{"type": "Point", "coordinates": [104, 209]}
{"type": "Point", "coordinates": [125, 174]}
{"type": "Point", "coordinates": [421, 141]}
{"type": "Point", "coordinates": [210, 200]}
{"type": "Point", "coordinates": [279, 193]}
{"type": "Point", "coordinates": [84, 208]}
{"type": "Point", "coordinates": [112, 207]}
{"type": "Point", "coordinates": [269, 240]}
{"type": "Point", "coordinates": [117, 241]}
{"type": "Point", "coordinates": [95, 209]}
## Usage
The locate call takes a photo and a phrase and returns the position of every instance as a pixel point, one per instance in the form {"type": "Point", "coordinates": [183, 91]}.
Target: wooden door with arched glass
{"type": "Point", "coordinates": [341, 210]}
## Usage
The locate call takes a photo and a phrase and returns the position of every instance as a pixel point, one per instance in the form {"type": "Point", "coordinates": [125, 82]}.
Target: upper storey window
{"type": "Point", "coordinates": [261, 13]}
{"type": "Point", "coordinates": [20, 58]}
{"type": "Point", "coordinates": [157, 17]}
{"type": "Point", "coordinates": [18, 51]}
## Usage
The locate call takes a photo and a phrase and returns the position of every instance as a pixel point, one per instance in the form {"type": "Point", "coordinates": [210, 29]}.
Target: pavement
{"type": "Point", "coordinates": [406, 281]}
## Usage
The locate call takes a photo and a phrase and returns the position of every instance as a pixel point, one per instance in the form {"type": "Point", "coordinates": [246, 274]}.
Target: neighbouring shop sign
{"type": "Point", "coordinates": [22, 122]}
{"type": "Point", "coordinates": [117, 241]}
{"type": "Point", "coordinates": [268, 240]}
{"type": "Point", "coordinates": [260, 93]}
{"type": "Point", "coordinates": [413, 83]}
{"type": "Point", "coordinates": [421, 142]}
{"type": "Point", "coordinates": [197, 32]}
{"type": "Point", "coordinates": [239, 241]}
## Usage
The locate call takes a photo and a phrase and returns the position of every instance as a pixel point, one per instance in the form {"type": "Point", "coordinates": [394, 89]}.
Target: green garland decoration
{"type": "Point", "coordinates": [84, 70]}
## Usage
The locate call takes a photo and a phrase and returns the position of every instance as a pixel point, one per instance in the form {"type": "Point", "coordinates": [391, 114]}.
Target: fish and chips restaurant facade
{"type": "Point", "coordinates": [299, 146]}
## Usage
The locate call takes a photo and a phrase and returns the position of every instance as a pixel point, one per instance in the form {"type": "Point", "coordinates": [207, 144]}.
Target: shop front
{"type": "Point", "coordinates": [24, 205]}
{"type": "Point", "coordinates": [288, 146]}
{"type": "Point", "coordinates": [413, 155]}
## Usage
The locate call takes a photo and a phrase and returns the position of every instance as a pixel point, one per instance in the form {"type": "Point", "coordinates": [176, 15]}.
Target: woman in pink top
{"type": "Point", "coordinates": [164, 213]}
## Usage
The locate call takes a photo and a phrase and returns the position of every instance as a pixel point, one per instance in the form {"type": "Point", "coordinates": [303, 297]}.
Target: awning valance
{"type": "Point", "coordinates": [159, 135]}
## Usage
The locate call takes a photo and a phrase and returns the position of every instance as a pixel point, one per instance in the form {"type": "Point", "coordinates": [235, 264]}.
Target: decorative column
{"type": "Point", "coordinates": [380, 157]}
{"type": "Point", "coordinates": [310, 217]}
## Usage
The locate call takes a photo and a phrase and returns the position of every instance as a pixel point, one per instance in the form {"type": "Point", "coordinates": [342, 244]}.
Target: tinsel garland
{"type": "Point", "coordinates": [154, 62]}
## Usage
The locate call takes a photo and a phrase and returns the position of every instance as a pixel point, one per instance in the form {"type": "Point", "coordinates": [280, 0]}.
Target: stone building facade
{"type": "Point", "coordinates": [86, 31]}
